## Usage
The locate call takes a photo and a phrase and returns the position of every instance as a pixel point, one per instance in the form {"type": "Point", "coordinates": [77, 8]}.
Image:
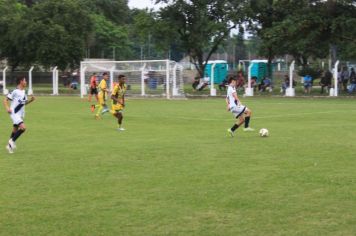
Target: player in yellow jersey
{"type": "Point", "coordinates": [118, 100]}
{"type": "Point", "coordinates": [102, 96]}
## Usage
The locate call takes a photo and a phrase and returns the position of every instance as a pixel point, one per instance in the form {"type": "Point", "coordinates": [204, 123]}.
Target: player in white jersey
{"type": "Point", "coordinates": [16, 110]}
{"type": "Point", "coordinates": [241, 113]}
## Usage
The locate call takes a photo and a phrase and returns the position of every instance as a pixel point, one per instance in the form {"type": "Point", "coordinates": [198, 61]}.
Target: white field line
{"type": "Point", "coordinates": [283, 115]}
{"type": "Point", "coordinates": [261, 117]}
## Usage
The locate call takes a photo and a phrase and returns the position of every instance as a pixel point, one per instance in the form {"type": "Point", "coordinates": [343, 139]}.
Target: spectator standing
{"type": "Point", "coordinates": [285, 84]}
{"type": "Point", "coordinates": [240, 80]}
{"type": "Point", "coordinates": [307, 84]}
{"type": "Point", "coordinates": [345, 78]}
{"type": "Point", "coordinates": [352, 81]}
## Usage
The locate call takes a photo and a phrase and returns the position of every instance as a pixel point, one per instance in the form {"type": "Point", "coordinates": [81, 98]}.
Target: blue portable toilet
{"type": "Point", "coordinates": [259, 69]}
{"type": "Point", "coordinates": [220, 70]}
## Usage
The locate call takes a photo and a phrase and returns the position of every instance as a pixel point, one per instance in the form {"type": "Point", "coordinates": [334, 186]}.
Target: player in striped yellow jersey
{"type": "Point", "coordinates": [102, 97]}
{"type": "Point", "coordinates": [118, 100]}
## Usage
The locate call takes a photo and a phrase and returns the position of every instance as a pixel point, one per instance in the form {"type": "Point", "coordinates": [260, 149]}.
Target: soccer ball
{"type": "Point", "coordinates": [264, 132]}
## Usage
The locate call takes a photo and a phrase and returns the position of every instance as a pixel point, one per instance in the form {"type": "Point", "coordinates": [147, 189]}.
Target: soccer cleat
{"type": "Point", "coordinates": [9, 149]}
{"type": "Point", "coordinates": [105, 110]}
{"type": "Point", "coordinates": [92, 108]}
{"type": "Point", "coordinates": [249, 129]}
{"type": "Point", "coordinates": [121, 129]}
{"type": "Point", "coordinates": [12, 144]}
{"type": "Point", "coordinates": [230, 132]}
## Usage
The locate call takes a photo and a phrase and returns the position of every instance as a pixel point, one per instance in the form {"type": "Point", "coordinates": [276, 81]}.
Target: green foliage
{"type": "Point", "coordinates": [116, 11]}
{"type": "Point", "coordinates": [202, 25]}
{"type": "Point", "coordinates": [109, 36]}
{"type": "Point", "coordinates": [61, 32]}
{"type": "Point", "coordinates": [50, 33]}
{"type": "Point", "coordinates": [304, 29]}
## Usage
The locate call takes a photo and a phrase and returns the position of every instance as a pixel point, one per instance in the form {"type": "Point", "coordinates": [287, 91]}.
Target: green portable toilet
{"type": "Point", "coordinates": [259, 69]}
{"type": "Point", "coordinates": [220, 70]}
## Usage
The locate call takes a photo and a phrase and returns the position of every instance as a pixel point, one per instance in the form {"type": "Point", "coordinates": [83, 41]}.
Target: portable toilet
{"type": "Point", "coordinates": [220, 70]}
{"type": "Point", "coordinates": [259, 69]}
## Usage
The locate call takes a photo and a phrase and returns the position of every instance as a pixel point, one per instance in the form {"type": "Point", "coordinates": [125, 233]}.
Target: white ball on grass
{"type": "Point", "coordinates": [264, 132]}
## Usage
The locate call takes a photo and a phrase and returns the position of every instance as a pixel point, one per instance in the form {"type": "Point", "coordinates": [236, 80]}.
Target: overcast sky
{"type": "Point", "coordinates": [143, 4]}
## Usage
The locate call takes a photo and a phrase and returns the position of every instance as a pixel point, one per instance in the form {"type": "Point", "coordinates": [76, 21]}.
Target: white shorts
{"type": "Point", "coordinates": [238, 110]}
{"type": "Point", "coordinates": [16, 118]}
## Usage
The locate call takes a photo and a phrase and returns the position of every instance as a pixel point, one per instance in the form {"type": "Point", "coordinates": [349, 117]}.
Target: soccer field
{"type": "Point", "coordinates": [174, 171]}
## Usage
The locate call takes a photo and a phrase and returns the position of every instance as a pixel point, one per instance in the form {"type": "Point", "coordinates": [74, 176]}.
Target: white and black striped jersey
{"type": "Point", "coordinates": [18, 100]}
{"type": "Point", "coordinates": [232, 101]}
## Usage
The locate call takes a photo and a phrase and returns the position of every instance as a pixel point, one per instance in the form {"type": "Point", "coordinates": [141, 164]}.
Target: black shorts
{"type": "Point", "coordinates": [93, 91]}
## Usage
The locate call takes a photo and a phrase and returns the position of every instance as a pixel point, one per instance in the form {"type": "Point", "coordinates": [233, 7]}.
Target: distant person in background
{"type": "Point", "coordinates": [253, 82]}
{"type": "Point", "coordinates": [265, 83]}
{"type": "Point", "coordinates": [199, 84]}
{"type": "Point", "coordinates": [240, 80]}
{"type": "Point", "coordinates": [307, 84]}
{"type": "Point", "coordinates": [223, 84]}
{"type": "Point", "coordinates": [102, 96]}
{"type": "Point", "coordinates": [93, 87]}
{"type": "Point", "coordinates": [325, 81]}
{"type": "Point", "coordinates": [285, 84]}
{"type": "Point", "coordinates": [344, 78]}
{"type": "Point", "coordinates": [352, 81]}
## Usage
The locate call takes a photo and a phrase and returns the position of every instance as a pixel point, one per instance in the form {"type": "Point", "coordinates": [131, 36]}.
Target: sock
{"type": "Point", "coordinates": [17, 134]}
{"type": "Point", "coordinates": [105, 107]}
{"type": "Point", "coordinates": [234, 127]}
{"type": "Point", "coordinates": [99, 110]}
{"type": "Point", "coordinates": [12, 135]}
{"type": "Point", "coordinates": [247, 121]}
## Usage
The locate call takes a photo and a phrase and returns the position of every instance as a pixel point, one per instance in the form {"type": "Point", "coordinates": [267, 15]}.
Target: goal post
{"type": "Point", "coordinates": [146, 78]}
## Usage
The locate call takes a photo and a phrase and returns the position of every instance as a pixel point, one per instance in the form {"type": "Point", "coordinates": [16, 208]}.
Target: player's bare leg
{"type": "Point", "coordinates": [119, 117]}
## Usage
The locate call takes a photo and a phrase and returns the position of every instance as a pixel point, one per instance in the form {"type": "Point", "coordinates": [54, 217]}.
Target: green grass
{"type": "Point", "coordinates": [174, 171]}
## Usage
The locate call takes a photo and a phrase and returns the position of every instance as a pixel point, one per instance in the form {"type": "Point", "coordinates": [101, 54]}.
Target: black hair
{"type": "Point", "coordinates": [121, 76]}
{"type": "Point", "coordinates": [19, 79]}
{"type": "Point", "coordinates": [105, 73]}
{"type": "Point", "coordinates": [231, 78]}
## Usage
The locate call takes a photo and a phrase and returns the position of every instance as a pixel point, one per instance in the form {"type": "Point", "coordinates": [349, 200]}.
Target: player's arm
{"type": "Point", "coordinates": [227, 104]}
{"type": "Point", "coordinates": [103, 86]}
{"type": "Point", "coordinates": [114, 92]}
{"type": "Point", "coordinates": [234, 94]}
{"type": "Point", "coordinates": [119, 101]}
{"type": "Point", "coordinates": [6, 105]}
{"type": "Point", "coordinates": [31, 100]}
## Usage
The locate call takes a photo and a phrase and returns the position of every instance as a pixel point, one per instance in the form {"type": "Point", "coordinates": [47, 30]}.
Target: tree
{"type": "Point", "coordinates": [109, 37]}
{"type": "Point", "coordinates": [11, 14]}
{"type": "Point", "coordinates": [116, 11]}
{"type": "Point", "coordinates": [146, 32]}
{"type": "Point", "coordinates": [58, 30]}
{"type": "Point", "coordinates": [49, 33]}
{"type": "Point", "coordinates": [305, 29]}
{"type": "Point", "coordinates": [202, 25]}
